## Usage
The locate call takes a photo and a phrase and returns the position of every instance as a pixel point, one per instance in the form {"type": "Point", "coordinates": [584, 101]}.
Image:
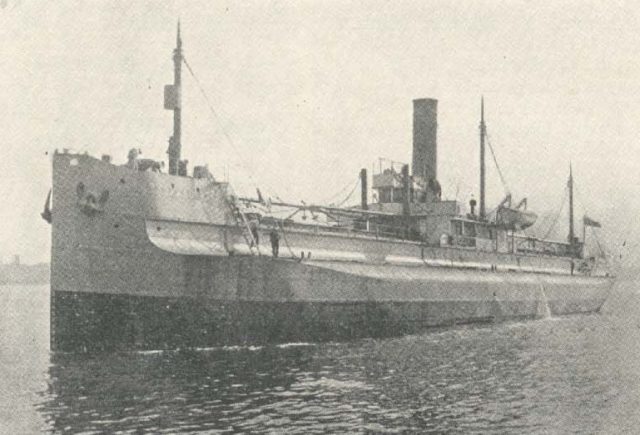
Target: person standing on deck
{"type": "Point", "coordinates": [132, 159]}
{"type": "Point", "coordinates": [275, 242]}
{"type": "Point", "coordinates": [255, 238]}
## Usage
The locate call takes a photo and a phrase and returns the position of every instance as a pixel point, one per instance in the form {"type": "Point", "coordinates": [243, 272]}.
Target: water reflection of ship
{"type": "Point", "coordinates": [161, 391]}
{"type": "Point", "coordinates": [146, 259]}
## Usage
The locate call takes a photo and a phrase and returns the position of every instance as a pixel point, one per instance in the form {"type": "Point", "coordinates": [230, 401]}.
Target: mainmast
{"type": "Point", "coordinates": [172, 102]}
{"type": "Point", "coordinates": [570, 186]}
{"type": "Point", "coordinates": [483, 130]}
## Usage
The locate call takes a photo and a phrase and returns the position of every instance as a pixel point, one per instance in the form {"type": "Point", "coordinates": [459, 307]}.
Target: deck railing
{"type": "Point", "coordinates": [393, 232]}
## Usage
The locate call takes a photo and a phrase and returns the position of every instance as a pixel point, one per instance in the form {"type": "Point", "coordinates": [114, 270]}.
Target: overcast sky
{"type": "Point", "coordinates": [308, 92]}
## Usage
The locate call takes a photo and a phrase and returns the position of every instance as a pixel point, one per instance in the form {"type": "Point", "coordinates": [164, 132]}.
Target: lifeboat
{"type": "Point", "coordinates": [515, 219]}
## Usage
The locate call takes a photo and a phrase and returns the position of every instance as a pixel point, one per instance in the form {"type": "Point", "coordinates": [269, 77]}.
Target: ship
{"type": "Point", "coordinates": [147, 259]}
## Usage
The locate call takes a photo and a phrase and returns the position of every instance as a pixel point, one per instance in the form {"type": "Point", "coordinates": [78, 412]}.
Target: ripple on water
{"type": "Point", "coordinates": [572, 374]}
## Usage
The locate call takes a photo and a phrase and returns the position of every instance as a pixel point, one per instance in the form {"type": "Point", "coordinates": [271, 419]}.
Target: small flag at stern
{"type": "Point", "coordinates": [588, 222]}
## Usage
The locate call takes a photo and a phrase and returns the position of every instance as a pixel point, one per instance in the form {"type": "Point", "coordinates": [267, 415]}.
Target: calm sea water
{"type": "Point", "coordinates": [577, 374]}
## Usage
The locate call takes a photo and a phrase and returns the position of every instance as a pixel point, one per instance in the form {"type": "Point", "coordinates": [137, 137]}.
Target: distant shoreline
{"type": "Point", "coordinates": [24, 273]}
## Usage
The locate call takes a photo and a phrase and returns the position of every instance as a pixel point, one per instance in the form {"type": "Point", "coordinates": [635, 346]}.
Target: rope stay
{"type": "Point", "coordinates": [330, 199]}
{"type": "Point", "coordinates": [495, 161]}
{"type": "Point", "coordinates": [233, 145]}
{"type": "Point", "coordinates": [593, 232]}
{"type": "Point", "coordinates": [557, 216]}
{"type": "Point", "coordinates": [355, 186]}
{"type": "Point", "coordinates": [284, 236]}
{"type": "Point", "coordinates": [208, 101]}
{"type": "Point", "coordinates": [226, 134]}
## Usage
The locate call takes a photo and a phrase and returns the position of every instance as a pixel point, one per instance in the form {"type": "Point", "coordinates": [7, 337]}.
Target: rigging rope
{"type": "Point", "coordinates": [337, 194]}
{"type": "Point", "coordinates": [206, 98]}
{"type": "Point", "coordinates": [495, 160]}
{"type": "Point", "coordinates": [355, 186]}
{"type": "Point", "coordinates": [557, 216]}
{"type": "Point", "coordinates": [593, 233]}
{"type": "Point", "coordinates": [284, 236]}
{"type": "Point", "coordinates": [224, 131]}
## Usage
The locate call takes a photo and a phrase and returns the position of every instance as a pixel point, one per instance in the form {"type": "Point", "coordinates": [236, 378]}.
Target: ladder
{"type": "Point", "coordinates": [241, 221]}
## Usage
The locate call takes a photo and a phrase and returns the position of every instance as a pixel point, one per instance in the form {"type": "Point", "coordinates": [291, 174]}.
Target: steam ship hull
{"type": "Point", "coordinates": [162, 264]}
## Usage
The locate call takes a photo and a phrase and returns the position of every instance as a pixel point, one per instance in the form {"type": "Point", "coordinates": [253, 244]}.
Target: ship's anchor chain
{"type": "Point", "coordinates": [89, 202]}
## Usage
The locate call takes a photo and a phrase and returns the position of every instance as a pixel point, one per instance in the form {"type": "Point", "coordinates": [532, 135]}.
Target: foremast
{"type": "Point", "coordinates": [172, 101]}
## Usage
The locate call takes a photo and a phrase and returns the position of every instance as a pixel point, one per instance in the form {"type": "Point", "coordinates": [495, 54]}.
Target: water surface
{"type": "Point", "coordinates": [576, 374]}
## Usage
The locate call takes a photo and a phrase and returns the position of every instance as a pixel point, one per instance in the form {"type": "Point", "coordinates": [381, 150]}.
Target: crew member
{"type": "Point", "coordinates": [132, 158]}
{"type": "Point", "coordinates": [254, 233]}
{"type": "Point", "coordinates": [275, 242]}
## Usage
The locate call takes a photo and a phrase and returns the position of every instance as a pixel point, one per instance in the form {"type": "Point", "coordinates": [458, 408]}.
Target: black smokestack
{"type": "Point", "coordinates": [425, 144]}
{"type": "Point", "coordinates": [363, 189]}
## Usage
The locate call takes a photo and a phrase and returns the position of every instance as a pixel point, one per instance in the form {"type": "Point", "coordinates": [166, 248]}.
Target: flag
{"type": "Point", "coordinates": [587, 222]}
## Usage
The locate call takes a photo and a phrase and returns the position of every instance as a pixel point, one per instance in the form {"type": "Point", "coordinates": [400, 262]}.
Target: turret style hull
{"type": "Point", "coordinates": [160, 261]}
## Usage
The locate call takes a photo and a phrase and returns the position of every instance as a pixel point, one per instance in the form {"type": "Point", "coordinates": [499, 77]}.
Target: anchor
{"type": "Point", "coordinates": [89, 202]}
{"type": "Point", "coordinates": [46, 213]}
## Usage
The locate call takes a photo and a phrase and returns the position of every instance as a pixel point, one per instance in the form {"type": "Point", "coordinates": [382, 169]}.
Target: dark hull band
{"type": "Point", "coordinates": [98, 322]}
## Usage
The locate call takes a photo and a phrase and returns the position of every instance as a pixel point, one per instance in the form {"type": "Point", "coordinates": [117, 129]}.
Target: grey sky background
{"type": "Point", "coordinates": [308, 92]}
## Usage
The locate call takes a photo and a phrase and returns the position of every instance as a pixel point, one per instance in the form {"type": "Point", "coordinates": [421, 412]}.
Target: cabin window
{"type": "Point", "coordinates": [457, 228]}
{"type": "Point", "coordinates": [484, 232]}
{"type": "Point", "coordinates": [398, 195]}
{"type": "Point", "coordinates": [385, 196]}
{"type": "Point", "coordinates": [469, 229]}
